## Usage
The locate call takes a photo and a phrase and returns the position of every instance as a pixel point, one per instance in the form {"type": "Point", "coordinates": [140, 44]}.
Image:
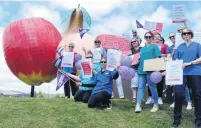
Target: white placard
{"type": "Point", "coordinates": [178, 14]}
{"type": "Point", "coordinates": [86, 68]}
{"type": "Point", "coordinates": [150, 25]}
{"type": "Point", "coordinates": [96, 54]}
{"type": "Point", "coordinates": [174, 72]}
{"type": "Point", "coordinates": [196, 38]}
{"type": "Point", "coordinates": [113, 59]}
{"type": "Point", "coordinates": [68, 58]}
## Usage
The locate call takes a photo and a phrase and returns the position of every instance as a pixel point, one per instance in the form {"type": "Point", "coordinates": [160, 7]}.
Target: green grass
{"type": "Point", "coordinates": [64, 113]}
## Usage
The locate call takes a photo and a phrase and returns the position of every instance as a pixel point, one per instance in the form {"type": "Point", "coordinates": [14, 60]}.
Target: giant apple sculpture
{"type": "Point", "coordinates": [29, 48]}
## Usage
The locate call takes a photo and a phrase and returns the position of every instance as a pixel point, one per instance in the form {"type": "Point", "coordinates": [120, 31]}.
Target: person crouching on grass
{"type": "Point", "coordinates": [104, 87]}
{"type": "Point", "coordinates": [87, 84]}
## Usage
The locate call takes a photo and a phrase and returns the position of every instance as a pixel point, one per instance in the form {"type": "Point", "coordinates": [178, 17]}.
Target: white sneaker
{"type": "Point", "coordinates": [155, 108]}
{"type": "Point", "coordinates": [121, 97]}
{"type": "Point", "coordinates": [149, 101]}
{"type": "Point", "coordinates": [172, 105]}
{"type": "Point", "coordinates": [160, 101]}
{"type": "Point", "coordinates": [189, 106]}
{"type": "Point", "coordinates": [138, 108]}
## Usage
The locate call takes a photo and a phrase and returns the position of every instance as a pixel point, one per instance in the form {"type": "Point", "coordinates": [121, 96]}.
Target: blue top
{"type": "Point", "coordinates": [170, 49]}
{"type": "Point", "coordinates": [188, 54]}
{"type": "Point", "coordinates": [68, 70]}
{"type": "Point", "coordinates": [104, 81]}
{"type": "Point", "coordinates": [97, 65]}
{"type": "Point", "coordinates": [90, 80]}
{"type": "Point", "coordinates": [146, 53]}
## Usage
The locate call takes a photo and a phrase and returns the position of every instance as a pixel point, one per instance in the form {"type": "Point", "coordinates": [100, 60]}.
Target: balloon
{"type": "Point", "coordinates": [127, 73]}
{"type": "Point", "coordinates": [78, 57]}
{"type": "Point", "coordinates": [72, 35]}
{"type": "Point", "coordinates": [78, 65]}
{"type": "Point", "coordinates": [156, 77]}
{"type": "Point", "coordinates": [29, 47]}
{"type": "Point", "coordinates": [126, 61]}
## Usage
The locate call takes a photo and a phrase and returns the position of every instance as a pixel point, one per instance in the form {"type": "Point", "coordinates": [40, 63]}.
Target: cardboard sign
{"type": "Point", "coordinates": [154, 64]}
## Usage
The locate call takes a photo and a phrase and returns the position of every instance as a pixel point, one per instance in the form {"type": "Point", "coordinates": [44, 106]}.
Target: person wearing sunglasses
{"type": "Point", "coordinates": [159, 41]}
{"type": "Point", "coordinates": [97, 44]}
{"type": "Point", "coordinates": [73, 71]}
{"type": "Point", "coordinates": [170, 52]}
{"type": "Point", "coordinates": [135, 48]}
{"type": "Point", "coordinates": [179, 30]}
{"type": "Point", "coordinates": [102, 92]}
{"type": "Point", "coordinates": [87, 84]}
{"type": "Point", "coordinates": [190, 53]}
{"type": "Point", "coordinates": [149, 51]}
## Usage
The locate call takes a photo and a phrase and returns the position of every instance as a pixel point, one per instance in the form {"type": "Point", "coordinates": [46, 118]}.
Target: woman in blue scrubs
{"type": "Point", "coordinates": [190, 53]}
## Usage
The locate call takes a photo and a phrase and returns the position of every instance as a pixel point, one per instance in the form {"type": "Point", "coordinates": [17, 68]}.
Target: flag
{"type": "Point", "coordinates": [139, 25]}
{"type": "Point", "coordinates": [60, 49]}
{"type": "Point", "coordinates": [153, 26]}
{"type": "Point", "coordinates": [83, 31]}
{"type": "Point", "coordinates": [61, 79]}
{"type": "Point", "coordinates": [57, 62]}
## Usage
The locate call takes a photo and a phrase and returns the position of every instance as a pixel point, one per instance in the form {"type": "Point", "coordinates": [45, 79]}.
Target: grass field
{"type": "Point", "coordinates": [65, 113]}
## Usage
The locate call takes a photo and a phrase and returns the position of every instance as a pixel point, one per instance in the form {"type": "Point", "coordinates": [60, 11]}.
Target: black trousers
{"type": "Point", "coordinates": [159, 87]}
{"type": "Point", "coordinates": [82, 95]}
{"type": "Point", "coordinates": [101, 97]}
{"type": "Point", "coordinates": [194, 83]}
{"type": "Point", "coordinates": [67, 86]}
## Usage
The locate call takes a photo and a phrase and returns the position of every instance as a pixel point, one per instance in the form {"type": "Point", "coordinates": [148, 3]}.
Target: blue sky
{"type": "Point", "coordinates": [108, 17]}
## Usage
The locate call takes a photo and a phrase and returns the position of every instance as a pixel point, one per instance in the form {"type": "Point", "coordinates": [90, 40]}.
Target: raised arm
{"type": "Point", "coordinates": [76, 78]}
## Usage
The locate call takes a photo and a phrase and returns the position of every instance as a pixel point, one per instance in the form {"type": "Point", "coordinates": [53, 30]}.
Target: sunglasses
{"type": "Point", "coordinates": [88, 57]}
{"type": "Point", "coordinates": [97, 42]}
{"type": "Point", "coordinates": [179, 30]}
{"type": "Point", "coordinates": [103, 62]}
{"type": "Point", "coordinates": [171, 37]}
{"type": "Point", "coordinates": [133, 41]}
{"type": "Point", "coordinates": [71, 46]}
{"type": "Point", "coordinates": [148, 37]}
{"type": "Point", "coordinates": [186, 33]}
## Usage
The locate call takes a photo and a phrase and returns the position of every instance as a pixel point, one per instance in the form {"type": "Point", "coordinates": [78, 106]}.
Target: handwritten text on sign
{"type": "Point", "coordinates": [113, 59]}
{"type": "Point", "coordinates": [86, 68]}
{"type": "Point", "coordinates": [112, 41]}
{"type": "Point", "coordinates": [68, 58]}
{"type": "Point", "coordinates": [178, 14]}
{"type": "Point", "coordinates": [174, 73]}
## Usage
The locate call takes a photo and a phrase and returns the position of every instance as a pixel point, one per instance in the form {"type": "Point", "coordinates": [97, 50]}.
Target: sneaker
{"type": "Point", "coordinates": [175, 124]}
{"type": "Point", "coordinates": [121, 97]}
{"type": "Point", "coordinates": [138, 108]}
{"type": "Point", "coordinates": [189, 106]}
{"type": "Point", "coordinates": [109, 105]}
{"type": "Point", "coordinates": [172, 105]}
{"type": "Point", "coordinates": [149, 101]}
{"type": "Point", "coordinates": [155, 108]}
{"type": "Point", "coordinates": [160, 101]}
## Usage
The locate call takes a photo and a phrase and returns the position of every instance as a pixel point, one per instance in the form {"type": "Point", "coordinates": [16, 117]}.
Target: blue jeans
{"type": "Point", "coordinates": [142, 80]}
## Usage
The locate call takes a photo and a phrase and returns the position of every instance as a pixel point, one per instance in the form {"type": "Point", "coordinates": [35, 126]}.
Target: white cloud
{"type": "Point", "coordinates": [196, 16]}
{"type": "Point", "coordinates": [96, 8]}
{"type": "Point", "coordinates": [35, 10]}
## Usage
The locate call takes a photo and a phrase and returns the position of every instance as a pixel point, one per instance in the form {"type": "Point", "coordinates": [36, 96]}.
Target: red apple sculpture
{"type": "Point", "coordinates": [29, 48]}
